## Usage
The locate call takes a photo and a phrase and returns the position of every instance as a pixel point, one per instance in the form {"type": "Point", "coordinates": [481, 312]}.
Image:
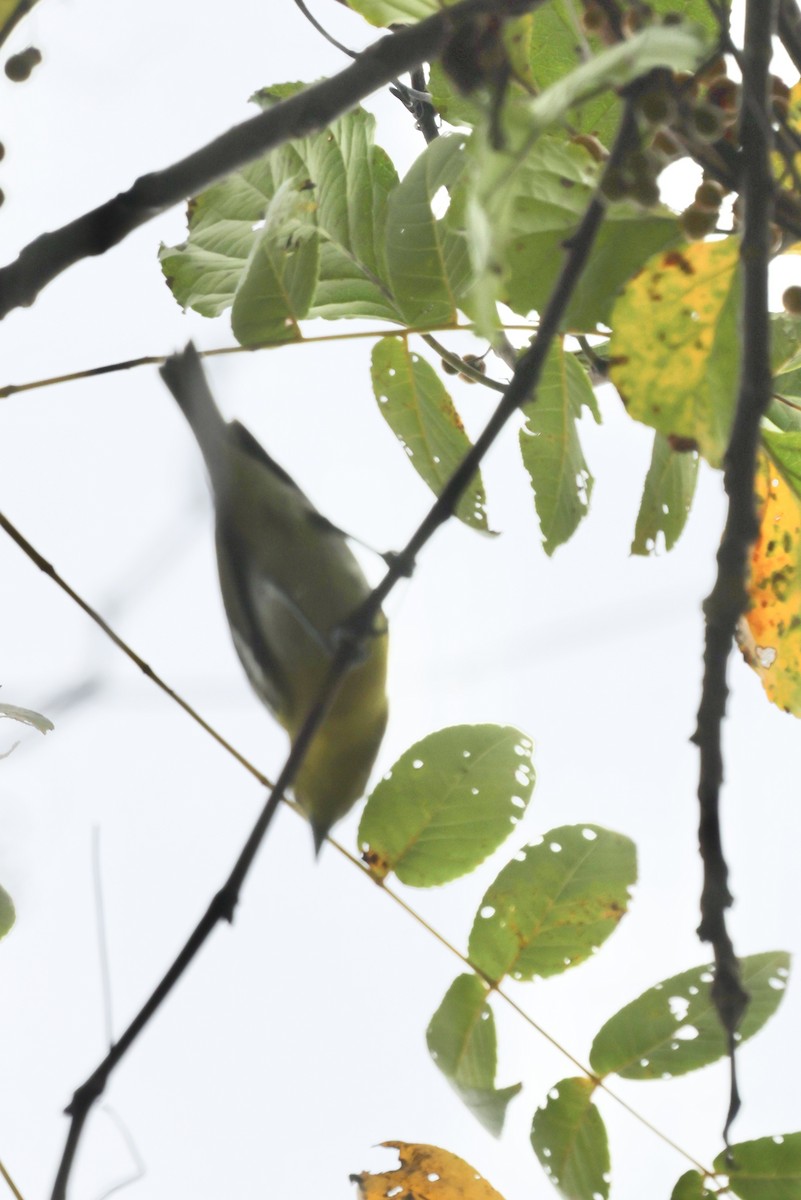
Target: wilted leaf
{"type": "Point", "coordinates": [673, 1028]}
{"type": "Point", "coordinates": [553, 903]}
{"type": "Point", "coordinates": [416, 406]}
{"type": "Point", "coordinates": [26, 716]}
{"type": "Point", "coordinates": [666, 499]}
{"type": "Point", "coordinates": [297, 233]}
{"type": "Point", "coordinates": [447, 803]}
{"type": "Point", "coordinates": [674, 347]}
{"type": "Point", "coordinates": [691, 1186]}
{"type": "Point", "coordinates": [770, 632]}
{"type": "Point", "coordinates": [462, 1042]}
{"type": "Point", "coordinates": [427, 259]}
{"type": "Point", "coordinates": [425, 1173]}
{"type": "Point", "coordinates": [7, 914]}
{"type": "Point", "coordinates": [767, 1168]}
{"type": "Point", "coordinates": [569, 1139]}
{"type": "Point", "coordinates": [551, 450]}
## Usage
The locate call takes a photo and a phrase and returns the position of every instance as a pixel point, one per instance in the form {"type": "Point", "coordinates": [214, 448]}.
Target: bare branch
{"type": "Point", "coordinates": [728, 599]}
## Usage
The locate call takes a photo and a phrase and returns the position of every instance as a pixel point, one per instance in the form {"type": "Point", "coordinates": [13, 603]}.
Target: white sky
{"type": "Point", "coordinates": [296, 1043]}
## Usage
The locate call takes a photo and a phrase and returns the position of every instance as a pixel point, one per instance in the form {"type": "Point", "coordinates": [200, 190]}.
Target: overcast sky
{"type": "Point", "coordinates": [296, 1042]}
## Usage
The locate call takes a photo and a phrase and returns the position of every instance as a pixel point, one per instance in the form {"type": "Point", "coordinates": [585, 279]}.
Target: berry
{"type": "Point", "coordinates": [19, 66]}
{"type": "Point", "coordinates": [791, 299]}
{"type": "Point", "coordinates": [708, 122]}
{"type": "Point", "coordinates": [709, 195]}
{"type": "Point", "coordinates": [696, 223]}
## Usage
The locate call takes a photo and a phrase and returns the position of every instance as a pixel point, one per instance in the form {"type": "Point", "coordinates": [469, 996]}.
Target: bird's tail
{"type": "Point", "coordinates": [183, 375]}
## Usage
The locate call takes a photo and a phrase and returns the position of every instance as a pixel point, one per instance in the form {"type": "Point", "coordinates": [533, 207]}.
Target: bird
{"type": "Point", "coordinates": [289, 584]}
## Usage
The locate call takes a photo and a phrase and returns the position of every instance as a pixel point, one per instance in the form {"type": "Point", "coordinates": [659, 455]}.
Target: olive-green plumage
{"type": "Point", "coordinates": [289, 581]}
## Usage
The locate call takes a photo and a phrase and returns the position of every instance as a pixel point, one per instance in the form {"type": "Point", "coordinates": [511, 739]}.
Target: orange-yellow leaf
{"type": "Point", "coordinates": [674, 350]}
{"type": "Point", "coordinates": [425, 1173]}
{"type": "Point", "coordinates": [770, 632]}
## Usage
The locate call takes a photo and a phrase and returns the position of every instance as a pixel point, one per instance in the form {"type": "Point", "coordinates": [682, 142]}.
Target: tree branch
{"type": "Point", "coordinates": [728, 599]}
{"type": "Point", "coordinates": [43, 259]}
{"type": "Point", "coordinates": [223, 904]}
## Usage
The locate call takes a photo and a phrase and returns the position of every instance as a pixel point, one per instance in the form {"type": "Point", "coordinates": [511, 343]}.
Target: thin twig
{"type": "Point", "coordinates": [152, 360]}
{"type": "Point", "coordinates": [222, 908]}
{"type": "Point", "coordinates": [297, 116]}
{"type": "Point", "coordinates": [407, 908]}
{"type": "Point", "coordinates": [102, 938]}
{"type": "Point", "coordinates": [12, 1187]}
{"type": "Point", "coordinates": [122, 645]}
{"type": "Point", "coordinates": [728, 599]}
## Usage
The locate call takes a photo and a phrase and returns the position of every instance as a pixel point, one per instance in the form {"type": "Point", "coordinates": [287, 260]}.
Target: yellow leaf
{"type": "Point", "coordinates": [425, 1173]}
{"type": "Point", "coordinates": [673, 352]}
{"type": "Point", "coordinates": [770, 632]}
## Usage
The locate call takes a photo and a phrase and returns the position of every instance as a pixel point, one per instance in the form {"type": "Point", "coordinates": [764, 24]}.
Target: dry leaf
{"type": "Point", "coordinates": [770, 632]}
{"type": "Point", "coordinates": [425, 1173]}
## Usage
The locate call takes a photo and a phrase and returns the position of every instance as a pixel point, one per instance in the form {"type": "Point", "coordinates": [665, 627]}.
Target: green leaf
{"type": "Point", "coordinates": [427, 257]}
{"type": "Point", "coordinates": [767, 1168]}
{"type": "Point", "coordinates": [690, 1186]}
{"type": "Point", "coordinates": [555, 47]}
{"type": "Point", "coordinates": [523, 206]}
{"type": "Point", "coordinates": [297, 233]}
{"type": "Point", "coordinates": [553, 904]}
{"type": "Point", "coordinates": [666, 499]}
{"type": "Point", "coordinates": [390, 12]}
{"type": "Point", "coordinates": [569, 1139]}
{"type": "Point", "coordinates": [462, 1042]}
{"type": "Point", "coordinates": [674, 347]}
{"type": "Point", "coordinates": [552, 454]}
{"type": "Point", "coordinates": [447, 803]}
{"type": "Point", "coordinates": [7, 914]}
{"type": "Point", "coordinates": [673, 1028]}
{"type": "Point", "coordinates": [419, 411]}
{"type": "Point", "coordinates": [279, 278]}
{"type": "Point", "coordinates": [681, 47]}
{"type": "Point", "coordinates": [785, 450]}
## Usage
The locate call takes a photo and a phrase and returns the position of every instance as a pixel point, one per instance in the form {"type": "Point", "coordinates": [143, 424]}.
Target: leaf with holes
{"type": "Point", "coordinates": [666, 499]}
{"type": "Point", "coordinates": [554, 903]}
{"type": "Point", "coordinates": [569, 1139]}
{"type": "Point", "coordinates": [673, 1028]}
{"type": "Point", "coordinates": [447, 803]}
{"type": "Point", "coordinates": [462, 1042]}
{"type": "Point", "coordinates": [767, 1168]}
{"type": "Point", "coordinates": [427, 255]}
{"type": "Point", "coordinates": [7, 913]}
{"type": "Point", "coordinates": [551, 450]}
{"type": "Point", "coordinates": [675, 343]}
{"type": "Point", "coordinates": [769, 634]}
{"type": "Point", "coordinates": [425, 1173]}
{"type": "Point", "coordinates": [298, 233]}
{"type": "Point", "coordinates": [691, 1186]}
{"type": "Point", "coordinates": [419, 411]}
